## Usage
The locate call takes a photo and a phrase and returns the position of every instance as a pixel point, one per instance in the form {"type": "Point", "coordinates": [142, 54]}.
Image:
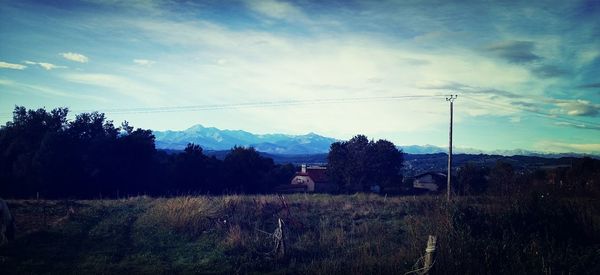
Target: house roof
{"type": "Point", "coordinates": [438, 177]}
{"type": "Point", "coordinates": [433, 174]}
{"type": "Point", "coordinates": [316, 174]}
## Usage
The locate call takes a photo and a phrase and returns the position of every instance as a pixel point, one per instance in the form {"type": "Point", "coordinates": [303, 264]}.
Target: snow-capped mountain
{"type": "Point", "coordinates": [211, 138]}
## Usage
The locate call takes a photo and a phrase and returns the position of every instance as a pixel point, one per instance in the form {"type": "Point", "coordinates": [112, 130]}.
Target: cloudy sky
{"type": "Point", "coordinates": [526, 75]}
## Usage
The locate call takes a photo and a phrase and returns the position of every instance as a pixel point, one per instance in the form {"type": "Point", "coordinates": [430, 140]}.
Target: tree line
{"type": "Point", "coordinates": [580, 179]}
{"type": "Point", "coordinates": [43, 153]}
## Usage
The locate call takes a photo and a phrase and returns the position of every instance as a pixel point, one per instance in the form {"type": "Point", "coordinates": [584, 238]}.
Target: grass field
{"type": "Point", "coordinates": [345, 234]}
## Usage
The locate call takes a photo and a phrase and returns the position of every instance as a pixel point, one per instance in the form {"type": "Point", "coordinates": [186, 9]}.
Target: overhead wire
{"type": "Point", "coordinates": [256, 104]}
{"type": "Point", "coordinates": [298, 102]}
{"type": "Point", "coordinates": [262, 104]}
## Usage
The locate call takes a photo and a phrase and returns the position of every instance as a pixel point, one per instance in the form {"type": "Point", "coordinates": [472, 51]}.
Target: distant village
{"type": "Point", "coordinates": [314, 179]}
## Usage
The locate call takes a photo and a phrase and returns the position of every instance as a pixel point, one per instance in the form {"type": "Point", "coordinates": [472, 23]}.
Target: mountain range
{"type": "Point", "coordinates": [211, 138]}
{"type": "Point", "coordinates": [214, 139]}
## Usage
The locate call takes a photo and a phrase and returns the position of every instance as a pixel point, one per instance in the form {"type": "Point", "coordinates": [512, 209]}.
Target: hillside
{"type": "Point", "coordinates": [350, 234]}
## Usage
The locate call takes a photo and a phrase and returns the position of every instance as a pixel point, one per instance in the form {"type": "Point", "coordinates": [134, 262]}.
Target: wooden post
{"type": "Point", "coordinates": [279, 240]}
{"type": "Point", "coordinates": [429, 254]}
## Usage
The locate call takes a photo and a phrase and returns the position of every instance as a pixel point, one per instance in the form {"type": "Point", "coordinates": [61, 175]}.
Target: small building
{"type": "Point", "coordinates": [430, 181]}
{"type": "Point", "coordinates": [312, 179]}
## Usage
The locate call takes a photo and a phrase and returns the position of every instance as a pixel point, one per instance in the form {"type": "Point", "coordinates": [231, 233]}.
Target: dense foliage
{"type": "Point", "coordinates": [43, 153]}
{"type": "Point", "coordinates": [360, 163]}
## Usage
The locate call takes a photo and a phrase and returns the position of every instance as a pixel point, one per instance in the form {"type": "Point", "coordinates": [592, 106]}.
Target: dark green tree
{"type": "Point", "coordinates": [20, 143]}
{"type": "Point", "coordinates": [246, 171]}
{"type": "Point", "coordinates": [386, 163]}
{"type": "Point", "coordinates": [133, 162]}
{"type": "Point", "coordinates": [502, 179]}
{"type": "Point", "coordinates": [196, 172]}
{"type": "Point", "coordinates": [278, 175]}
{"type": "Point", "coordinates": [43, 152]}
{"type": "Point", "coordinates": [583, 177]}
{"type": "Point", "coordinates": [471, 179]}
{"type": "Point", "coordinates": [357, 164]}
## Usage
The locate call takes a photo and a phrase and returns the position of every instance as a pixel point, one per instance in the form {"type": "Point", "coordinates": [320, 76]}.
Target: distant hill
{"type": "Point", "coordinates": [432, 149]}
{"type": "Point", "coordinates": [418, 163]}
{"type": "Point", "coordinates": [214, 139]}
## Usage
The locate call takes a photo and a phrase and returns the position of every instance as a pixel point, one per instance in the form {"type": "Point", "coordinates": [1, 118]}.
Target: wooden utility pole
{"type": "Point", "coordinates": [450, 99]}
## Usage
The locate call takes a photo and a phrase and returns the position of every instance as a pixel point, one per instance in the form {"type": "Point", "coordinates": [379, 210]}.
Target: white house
{"type": "Point", "coordinates": [310, 176]}
{"type": "Point", "coordinates": [312, 179]}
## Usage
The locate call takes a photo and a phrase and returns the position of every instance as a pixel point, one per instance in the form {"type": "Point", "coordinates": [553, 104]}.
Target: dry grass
{"type": "Point", "coordinates": [346, 234]}
{"type": "Point", "coordinates": [189, 215]}
{"type": "Point", "coordinates": [235, 237]}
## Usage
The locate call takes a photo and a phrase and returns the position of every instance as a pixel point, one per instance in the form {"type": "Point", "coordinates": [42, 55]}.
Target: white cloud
{"type": "Point", "coordinates": [576, 107]}
{"type": "Point", "coordinates": [587, 55]}
{"type": "Point", "coordinates": [96, 79]}
{"type": "Point", "coordinates": [46, 66]}
{"type": "Point", "coordinates": [77, 57]}
{"type": "Point", "coordinates": [274, 67]}
{"type": "Point", "coordinates": [143, 62]}
{"type": "Point", "coordinates": [122, 85]}
{"type": "Point", "coordinates": [30, 90]}
{"type": "Point", "coordinates": [217, 64]}
{"type": "Point", "coordinates": [552, 146]}
{"type": "Point", "coordinates": [150, 7]}
{"type": "Point", "coordinates": [577, 125]}
{"type": "Point", "coordinates": [6, 65]}
{"type": "Point", "coordinates": [276, 9]}
{"type": "Point", "coordinates": [222, 61]}
{"type": "Point", "coordinates": [49, 66]}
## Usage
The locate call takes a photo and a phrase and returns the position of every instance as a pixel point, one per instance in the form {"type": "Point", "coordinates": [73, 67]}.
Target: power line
{"type": "Point", "coordinates": [298, 102]}
{"type": "Point", "coordinates": [262, 104]}
{"type": "Point", "coordinates": [257, 104]}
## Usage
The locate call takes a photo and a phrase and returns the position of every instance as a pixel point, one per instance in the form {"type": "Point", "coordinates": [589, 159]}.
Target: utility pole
{"type": "Point", "coordinates": [450, 99]}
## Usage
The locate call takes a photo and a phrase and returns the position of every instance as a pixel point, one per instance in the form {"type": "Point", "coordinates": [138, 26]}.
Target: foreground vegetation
{"type": "Point", "coordinates": [346, 234]}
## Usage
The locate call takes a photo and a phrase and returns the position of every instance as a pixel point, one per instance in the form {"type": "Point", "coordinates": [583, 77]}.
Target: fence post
{"type": "Point", "coordinates": [279, 240]}
{"type": "Point", "coordinates": [429, 254]}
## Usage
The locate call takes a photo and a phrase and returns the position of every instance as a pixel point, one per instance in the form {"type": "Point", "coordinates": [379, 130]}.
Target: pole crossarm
{"type": "Point", "coordinates": [451, 98]}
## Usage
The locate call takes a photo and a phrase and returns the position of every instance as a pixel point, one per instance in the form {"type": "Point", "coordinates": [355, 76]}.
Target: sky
{"type": "Point", "coordinates": [526, 72]}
